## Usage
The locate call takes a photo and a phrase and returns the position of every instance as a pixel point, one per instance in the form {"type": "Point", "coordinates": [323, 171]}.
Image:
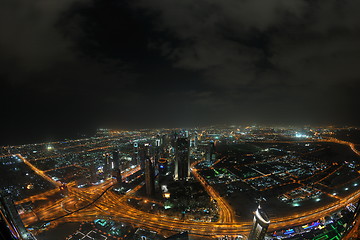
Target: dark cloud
{"type": "Point", "coordinates": [29, 42]}
{"type": "Point", "coordinates": [76, 64]}
{"type": "Point", "coordinates": [290, 55]}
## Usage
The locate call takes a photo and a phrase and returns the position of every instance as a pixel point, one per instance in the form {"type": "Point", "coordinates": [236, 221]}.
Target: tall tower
{"type": "Point", "coordinates": [149, 177]}
{"type": "Point", "coordinates": [196, 140]}
{"type": "Point", "coordinates": [162, 166]}
{"type": "Point", "coordinates": [143, 155]}
{"type": "Point", "coordinates": [182, 162]}
{"type": "Point", "coordinates": [115, 165]}
{"type": "Point", "coordinates": [136, 156]}
{"type": "Point", "coordinates": [157, 149]}
{"type": "Point", "coordinates": [260, 225]}
{"type": "Point", "coordinates": [210, 151]}
{"type": "Point", "coordinates": [93, 176]}
{"type": "Point", "coordinates": [106, 165]}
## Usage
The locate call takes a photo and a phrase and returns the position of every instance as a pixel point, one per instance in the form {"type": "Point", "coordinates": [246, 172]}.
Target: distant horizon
{"type": "Point", "coordinates": [44, 137]}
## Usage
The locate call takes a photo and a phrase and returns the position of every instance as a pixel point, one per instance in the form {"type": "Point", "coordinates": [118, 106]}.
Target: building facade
{"type": "Point", "coordinates": [182, 161]}
{"type": "Point", "coordinates": [260, 225]}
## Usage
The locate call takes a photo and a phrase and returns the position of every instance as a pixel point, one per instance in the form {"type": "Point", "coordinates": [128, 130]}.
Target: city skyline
{"type": "Point", "coordinates": [181, 119]}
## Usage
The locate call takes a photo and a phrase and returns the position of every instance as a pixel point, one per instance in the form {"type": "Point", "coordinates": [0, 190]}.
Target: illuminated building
{"type": "Point", "coordinates": [106, 165]}
{"type": "Point", "coordinates": [149, 177]}
{"type": "Point", "coordinates": [162, 165]}
{"type": "Point", "coordinates": [136, 155]}
{"type": "Point", "coordinates": [186, 134]}
{"type": "Point", "coordinates": [157, 150]}
{"type": "Point", "coordinates": [157, 142]}
{"type": "Point", "coordinates": [260, 225]}
{"type": "Point", "coordinates": [194, 141]}
{"type": "Point", "coordinates": [182, 163]}
{"type": "Point", "coordinates": [210, 151]}
{"type": "Point", "coordinates": [93, 170]}
{"type": "Point", "coordinates": [115, 165]}
{"type": "Point", "coordinates": [144, 152]}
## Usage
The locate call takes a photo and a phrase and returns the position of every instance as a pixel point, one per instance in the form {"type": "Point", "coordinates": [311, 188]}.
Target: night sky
{"type": "Point", "coordinates": [71, 66]}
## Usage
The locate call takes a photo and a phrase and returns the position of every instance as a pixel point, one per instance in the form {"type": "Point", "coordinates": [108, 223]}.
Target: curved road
{"type": "Point", "coordinates": [112, 206]}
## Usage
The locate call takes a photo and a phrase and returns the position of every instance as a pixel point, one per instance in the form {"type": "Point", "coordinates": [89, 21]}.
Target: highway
{"type": "Point", "coordinates": [227, 214]}
{"type": "Point", "coordinates": [87, 204]}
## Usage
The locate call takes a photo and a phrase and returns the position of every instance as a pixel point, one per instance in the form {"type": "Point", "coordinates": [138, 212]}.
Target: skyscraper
{"type": "Point", "coordinates": [143, 155]}
{"type": "Point", "coordinates": [194, 140]}
{"type": "Point", "coordinates": [157, 142]}
{"type": "Point", "coordinates": [106, 165]}
{"type": "Point", "coordinates": [136, 155]}
{"type": "Point", "coordinates": [182, 162]}
{"type": "Point", "coordinates": [149, 177]}
{"type": "Point", "coordinates": [162, 166]}
{"type": "Point", "coordinates": [93, 169]}
{"type": "Point", "coordinates": [210, 151]}
{"type": "Point", "coordinates": [115, 165]}
{"type": "Point", "coordinates": [260, 225]}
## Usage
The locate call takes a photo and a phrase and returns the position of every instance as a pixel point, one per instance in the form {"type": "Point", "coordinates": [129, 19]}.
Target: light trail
{"type": "Point", "coordinates": [126, 174]}
{"type": "Point", "coordinates": [108, 205]}
{"type": "Point", "coordinates": [226, 213]}
{"type": "Point", "coordinates": [39, 172]}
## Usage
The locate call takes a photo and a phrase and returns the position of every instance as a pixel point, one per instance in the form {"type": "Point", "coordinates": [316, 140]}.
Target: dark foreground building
{"type": "Point", "coordinates": [115, 165]}
{"type": "Point", "coordinates": [11, 226]}
{"type": "Point", "coordinates": [260, 225]}
{"type": "Point", "coordinates": [149, 177]}
{"type": "Point", "coordinates": [182, 163]}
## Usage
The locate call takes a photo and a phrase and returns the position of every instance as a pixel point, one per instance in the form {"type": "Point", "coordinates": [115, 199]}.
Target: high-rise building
{"type": "Point", "coordinates": [11, 226]}
{"type": "Point", "coordinates": [210, 151]}
{"type": "Point", "coordinates": [157, 150]}
{"type": "Point", "coordinates": [157, 142]}
{"type": "Point", "coordinates": [115, 165]}
{"type": "Point", "coordinates": [162, 166]}
{"type": "Point", "coordinates": [106, 165]}
{"type": "Point", "coordinates": [149, 177]}
{"type": "Point", "coordinates": [194, 141]}
{"type": "Point", "coordinates": [186, 133]}
{"type": "Point", "coordinates": [260, 225]}
{"type": "Point", "coordinates": [140, 153]}
{"type": "Point", "coordinates": [182, 162]}
{"type": "Point", "coordinates": [93, 169]}
{"type": "Point", "coordinates": [164, 139]}
{"type": "Point", "coordinates": [143, 155]}
{"type": "Point", "coordinates": [136, 155]}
